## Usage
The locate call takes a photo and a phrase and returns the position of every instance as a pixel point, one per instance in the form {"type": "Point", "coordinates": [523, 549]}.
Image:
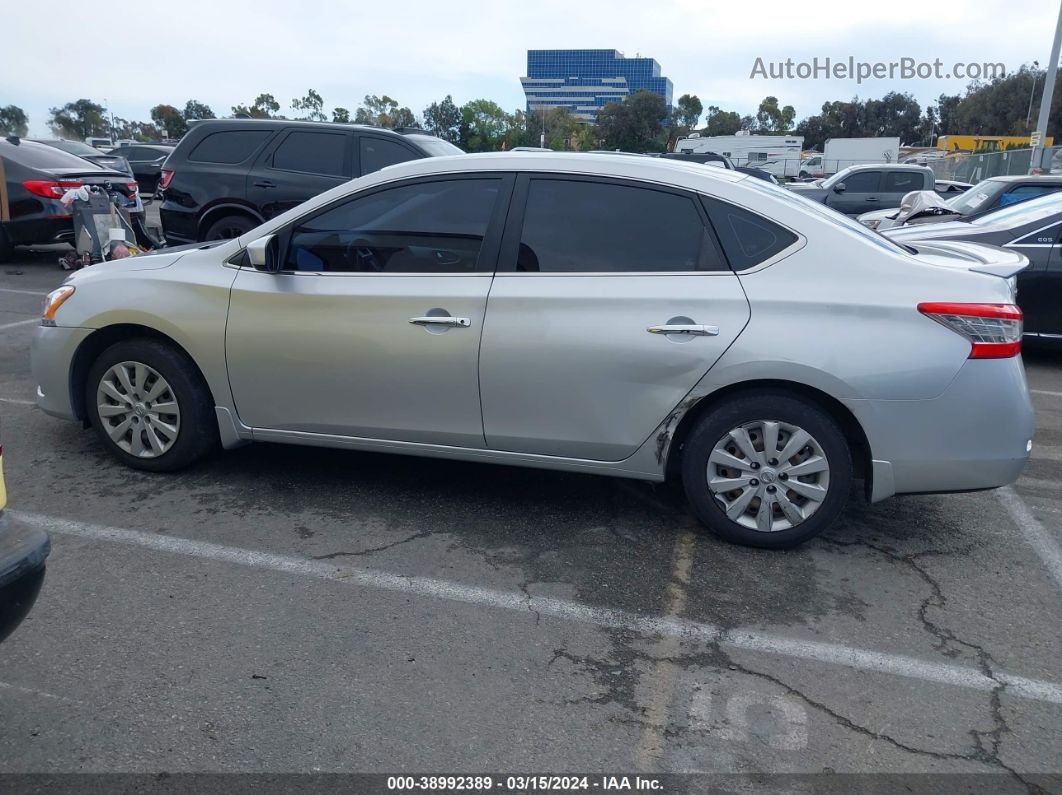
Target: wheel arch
{"type": "Point", "coordinates": [858, 445]}
{"type": "Point", "coordinates": [96, 343]}
{"type": "Point", "coordinates": [214, 213]}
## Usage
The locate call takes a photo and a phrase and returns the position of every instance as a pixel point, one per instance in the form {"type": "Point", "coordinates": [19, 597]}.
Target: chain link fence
{"type": "Point", "coordinates": [976, 167]}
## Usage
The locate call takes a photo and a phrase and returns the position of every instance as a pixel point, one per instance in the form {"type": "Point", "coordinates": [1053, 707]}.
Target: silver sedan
{"type": "Point", "coordinates": [592, 313]}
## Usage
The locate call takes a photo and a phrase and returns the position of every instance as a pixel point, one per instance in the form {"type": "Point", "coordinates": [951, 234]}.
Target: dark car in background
{"type": "Point", "coordinates": [92, 154]}
{"type": "Point", "coordinates": [1033, 228]}
{"type": "Point", "coordinates": [35, 177]}
{"type": "Point", "coordinates": [146, 161]}
{"type": "Point", "coordinates": [860, 189]}
{"type": "Point", "coordinates": [227, 176]}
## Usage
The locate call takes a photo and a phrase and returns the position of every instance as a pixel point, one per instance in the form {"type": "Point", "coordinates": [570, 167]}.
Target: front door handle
{"type": "Point", "coordinates": [441, 320]}
{"type": "Point", "coordinates": [686, 330]}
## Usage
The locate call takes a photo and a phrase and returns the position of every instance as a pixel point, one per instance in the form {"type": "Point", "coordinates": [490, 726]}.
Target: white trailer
{"type": "Point", "coordinates": [779, 154]}
{"type": "Point", "coordinates": [843, 152]}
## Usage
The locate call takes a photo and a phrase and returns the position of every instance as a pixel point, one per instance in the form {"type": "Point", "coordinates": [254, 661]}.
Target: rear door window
{"type": "Point", "coordinates": [902, 182]}
{"type": "Point", "coordinates": [229, 146]}
{"type": "Point", "coordinates": [312, 152]}
{"type": "Point", "coordinates": [583, 226]}
{"type": "Point", "coordinates": [379, 152]}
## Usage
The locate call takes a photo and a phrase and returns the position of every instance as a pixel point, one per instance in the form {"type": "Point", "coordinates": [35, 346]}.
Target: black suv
{"type": "Point", "coordinates": [227, 176]}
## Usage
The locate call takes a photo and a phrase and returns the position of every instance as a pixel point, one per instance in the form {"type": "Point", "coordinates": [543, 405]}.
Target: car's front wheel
{"type": "Point", "coordinates": [767, 469]}
{"type": "Point", "coordinates": [230, 227]}
{"type": "Point", "coordinates": [150, 406]}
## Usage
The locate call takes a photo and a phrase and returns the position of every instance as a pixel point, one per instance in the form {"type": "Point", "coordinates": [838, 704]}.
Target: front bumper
{"type": "Point", "coordinates": [976, 435]}
{"type": "Point", "coordinates": [23, 551]}
{"type": "Point", "coordinates": [51, 356]}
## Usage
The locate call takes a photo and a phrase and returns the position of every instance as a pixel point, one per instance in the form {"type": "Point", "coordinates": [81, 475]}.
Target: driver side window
{"type": "Point", "coordinates": [435, 226]}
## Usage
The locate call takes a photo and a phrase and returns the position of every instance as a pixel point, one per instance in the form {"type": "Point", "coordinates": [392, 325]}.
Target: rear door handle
{"type": "Point", "coordinates": [871, 199]}
{"type": "Point", "coordinates": [689, 331]}
{"type": "Point", "coordinates": [265, 183]}
{"type": "Point", "coordinates": [441, 320]}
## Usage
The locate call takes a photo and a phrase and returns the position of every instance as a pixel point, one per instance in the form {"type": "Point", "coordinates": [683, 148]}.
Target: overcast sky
{"type": "Point", "coordinates": [225, 52]}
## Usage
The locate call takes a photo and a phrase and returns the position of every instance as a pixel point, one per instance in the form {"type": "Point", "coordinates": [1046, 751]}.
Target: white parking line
{"type": "Point", "coordinates": [1047, 452]}
{"type": "Point", "coordinates": [20, 323]}
{"type": "Point", "coordinates": [34, 692]}
{"type": "Point", "coordinates": [1045, 392]}
{"type": "Point", "coordinates": [690, 631]}
{"type": "Point", "coordinates": [1037, 537]}
{"type": "Point", "coordinates": [18, 402]}
{"type": "Point", "coordinates": [23, 292]}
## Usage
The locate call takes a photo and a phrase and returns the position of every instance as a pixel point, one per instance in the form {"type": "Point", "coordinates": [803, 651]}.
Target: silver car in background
{"type": "Point", "coordinates": [592, 313]}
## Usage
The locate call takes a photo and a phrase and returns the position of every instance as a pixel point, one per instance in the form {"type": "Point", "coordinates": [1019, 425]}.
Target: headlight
{"type": "Point", "coordinates": [52, 302]}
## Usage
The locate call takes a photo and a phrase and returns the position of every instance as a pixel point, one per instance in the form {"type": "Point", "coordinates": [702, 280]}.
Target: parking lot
{"type": "Point", "coordinates": [282, 609]}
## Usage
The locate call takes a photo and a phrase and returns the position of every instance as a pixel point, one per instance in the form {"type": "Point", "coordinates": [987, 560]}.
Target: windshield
{"type": "Point", "coordinates": [1023, 213]}
{"type": "Point", "coordinates": [981, 195]}
{"type": "Point", "coordinates": [436, 147]}
{"type": "Point", "coordinates": [826, 213]}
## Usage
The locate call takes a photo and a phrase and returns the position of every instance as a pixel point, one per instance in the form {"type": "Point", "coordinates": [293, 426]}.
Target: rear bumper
{"type": "Point", "coordinates": [179, 227]}
{"type": "Point", "coordinates": [23, 551]}
{"type": "Point", "coordinates": [51, 357]}
{"type": "Point", "coordinates": [40, 231]}
{"type": "Point", "coordinates": [976, 435]}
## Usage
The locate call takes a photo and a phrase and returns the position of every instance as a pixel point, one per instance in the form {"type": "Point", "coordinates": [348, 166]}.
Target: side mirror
{"type": "Point", "coordinates": [262, 254]}
{"type": "Point", "coordinates": [839, 187]}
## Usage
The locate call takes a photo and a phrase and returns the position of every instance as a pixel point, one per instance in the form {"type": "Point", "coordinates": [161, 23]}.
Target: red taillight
{"type": "Point", "coordinates": [132, 186]}
{"type": "Point", "coordinates": [49, 189]}
{"type": "Point", "coordinates": [166, 178]}
{"type": "Point", "coordinates": [994, 330]}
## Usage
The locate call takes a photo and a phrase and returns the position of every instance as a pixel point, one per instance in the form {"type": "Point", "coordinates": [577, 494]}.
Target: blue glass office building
{"type": "Point", "coordinates": [584, 81]}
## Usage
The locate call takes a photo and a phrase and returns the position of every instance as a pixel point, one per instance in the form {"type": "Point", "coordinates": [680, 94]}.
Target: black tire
{"type": "Point", "coordinates": [803, 175]}
{"type": "Point", "coordinates": [229, 227]}
{"type": "Point", "coordinates": [766, 405]}
{"type": "Point", "coordinates": [197, 432]}
{"type": "Point", "coordinates": [7, 248]}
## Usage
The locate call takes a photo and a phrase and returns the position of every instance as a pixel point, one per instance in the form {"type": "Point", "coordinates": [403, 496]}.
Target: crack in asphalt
{"type": "Point", "coordinates": [374, 550]}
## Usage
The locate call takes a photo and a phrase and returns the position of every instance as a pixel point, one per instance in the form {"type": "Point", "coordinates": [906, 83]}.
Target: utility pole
{"type": "Point", "coordinates": [1032, 91]}
{"type": "Point", "coordinates": [1045, 101]}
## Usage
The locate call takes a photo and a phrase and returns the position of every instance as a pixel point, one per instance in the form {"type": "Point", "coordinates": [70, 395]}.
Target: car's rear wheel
{"type": "Point", "coordinates": [229, 227]}
{"type": "Point", "coordinates": [767, 469]}
{"type": "Point", "coordinates": [150, 406]}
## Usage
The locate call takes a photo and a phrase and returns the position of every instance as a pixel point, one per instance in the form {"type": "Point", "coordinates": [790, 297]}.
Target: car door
{"type": "Point", "coordinates": [298, 165]}
{"type": "Point", "coordinates": [372, 326]}
{"type": "Point", "coordinates": [377, 151]}
{"type": "Point", "coordinates": [1040, 284]}
{"type": "Point", "coordinates": [610, 302]}
{"type": "Point", "coordinates": [860, 193]}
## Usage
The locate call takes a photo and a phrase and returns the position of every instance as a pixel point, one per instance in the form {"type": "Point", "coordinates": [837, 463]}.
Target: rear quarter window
{"type": "Point", "coordinates": [229, 146]}
{"type": "Point", "coordinates": [747, 238]}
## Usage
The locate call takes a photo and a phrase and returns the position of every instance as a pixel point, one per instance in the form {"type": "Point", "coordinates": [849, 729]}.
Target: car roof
{"type": "Point", "coordinates": [323, 125]}
{"type": "Point", "coordinates": [656, 169]}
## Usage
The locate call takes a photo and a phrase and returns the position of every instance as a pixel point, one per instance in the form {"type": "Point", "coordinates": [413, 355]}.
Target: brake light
{"type": "Point", "coordinates": [994, 330]}
{"type": "Point", "coordinates": [166, 178]}
{"type": "Point", "coordinates": [49, 189]}
{"type": "Point", "coordinates": [132, 186]}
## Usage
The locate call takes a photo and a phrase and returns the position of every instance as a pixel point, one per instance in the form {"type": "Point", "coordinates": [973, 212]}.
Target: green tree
{"type": "Point", "coordinates": [483, 126]}
{"type": "Point", "coordinates": [80, 119]}
{"type": "Point", "coordinates": [13, 121]}
{"type": "Point", "coordinates": [311, 106]}
{"type": "Point", "coordinates": [168, 118]}
{"type": "Point", "coordinates": [721, 122]}
{"type": "Point", "coordinates": [444, 119]}
{"type": "Point", "coordinates": [265, 106]}
{"type": "Point", "coordinates": [340, 115]}
{"type": "Point", "coordinates": [585, 138]}
{"type": "Point", "coordinates": [193, 109]}
{"type": "Point", "coordinates": [688, 111]}
{"type": "Point", "coordinates": [384, 112]}
{"type": "Point", "coordinates": [772, 119]}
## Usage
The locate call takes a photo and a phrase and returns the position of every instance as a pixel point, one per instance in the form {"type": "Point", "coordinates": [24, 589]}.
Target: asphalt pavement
{"type": "Point", "coordinates": [282, 609]}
